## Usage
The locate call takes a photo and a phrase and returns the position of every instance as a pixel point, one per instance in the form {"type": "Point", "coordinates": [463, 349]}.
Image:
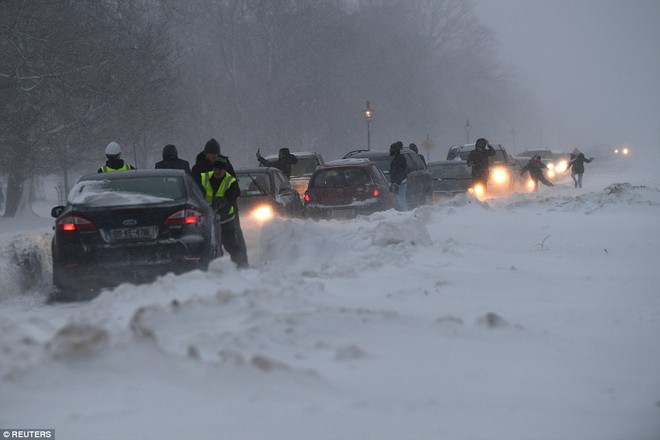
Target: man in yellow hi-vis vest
{"type": "Point", "coordinates": [114, 162]}
{"type": "Point", "coordinates": [221, 190]}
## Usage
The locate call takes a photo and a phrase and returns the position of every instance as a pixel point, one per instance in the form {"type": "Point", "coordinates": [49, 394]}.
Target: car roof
{"type": "Point", "coordinates": [130, 174]}
{"type": "Point", "coordinates": [372, 153]}
{"type": "Point", "coordinates": [256, 170]}
{"type": "Point", "coordinates": [295, 153]}
{"type": "Point", "coordinates": [351, 161]}
{"type": "Point", "coordinates": [447, 162]}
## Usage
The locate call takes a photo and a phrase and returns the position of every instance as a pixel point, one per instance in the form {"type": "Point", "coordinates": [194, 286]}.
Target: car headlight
{"type": "Point", "coordinates": [477, 190]}
{"type": "Point", "coordinates": [500, 175]}
{"type": "Point", "coordinates": [262, 213]}
{"type": "Point", "coordinates": [561, 166]}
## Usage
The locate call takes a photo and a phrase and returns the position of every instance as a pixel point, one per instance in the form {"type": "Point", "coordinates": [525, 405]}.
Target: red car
{"type": "Point", "coordinates": [346, 188]}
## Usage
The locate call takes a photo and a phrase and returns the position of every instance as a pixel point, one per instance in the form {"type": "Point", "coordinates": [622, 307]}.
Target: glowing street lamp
{"type": "Point", "coordinates": [368, 112]}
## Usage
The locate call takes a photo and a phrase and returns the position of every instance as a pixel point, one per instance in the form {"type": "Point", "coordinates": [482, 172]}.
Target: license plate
{"type": "Point", "coordinates": [342, 213]}
{"type": "Point", "coordinates": [144, 232]}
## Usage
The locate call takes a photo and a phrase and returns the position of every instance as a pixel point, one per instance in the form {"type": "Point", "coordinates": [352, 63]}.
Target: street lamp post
{"type": "Point", "coordinates": [467, 130]}
{"type": "Point", "coordinates": [368, 112]}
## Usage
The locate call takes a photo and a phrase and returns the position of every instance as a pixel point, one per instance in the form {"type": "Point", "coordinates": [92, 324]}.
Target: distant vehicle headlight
{"type": "Point", "coordinates": [625, 151]}
{"type": "Point", "coordinates": [530, 185]}
{"type": "Point", "coordinates": [551, 173]}
{"type": "Point", "coordinates": [263, 213]}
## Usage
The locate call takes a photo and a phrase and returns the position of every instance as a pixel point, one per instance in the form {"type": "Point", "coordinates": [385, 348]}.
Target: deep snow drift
{"type": "Point", "coordinates": [529, 317]}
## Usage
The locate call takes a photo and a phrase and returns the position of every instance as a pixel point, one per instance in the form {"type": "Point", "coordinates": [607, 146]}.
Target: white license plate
{"type": "Point", "coordinates": [342, 213]}
{"type": "Point", "coordinates": [134, 233]}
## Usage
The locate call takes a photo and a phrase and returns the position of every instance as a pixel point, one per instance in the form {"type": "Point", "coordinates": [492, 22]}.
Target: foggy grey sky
{"type": "Point", "coordinates": [593, 67]}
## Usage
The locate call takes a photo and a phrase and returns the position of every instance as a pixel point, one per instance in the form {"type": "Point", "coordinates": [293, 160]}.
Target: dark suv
{"type": "Point", "coordinates": [420, 183]}
{"type": "Point", "coordinates": [345, 188]}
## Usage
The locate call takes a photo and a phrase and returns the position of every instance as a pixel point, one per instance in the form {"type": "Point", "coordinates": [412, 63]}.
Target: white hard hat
{"type": "Point", "coordinates": [113, 149]}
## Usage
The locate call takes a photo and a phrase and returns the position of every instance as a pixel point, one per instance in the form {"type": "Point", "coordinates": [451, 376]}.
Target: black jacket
{"type": "Point", "coordinates": [204, 166]}
{"type": "Point", "coordinates": [577, 162]}
{"type": "Point", "coordinates": [478, 160]}
{"type": "Point", "coordinates": [398, 169]}
{"type": "Point", "coordinates": [535, 169]}
{"type": "Point", "coordinates": [171, 160]}
{"type": "Point", "coordinates": [281, 163]}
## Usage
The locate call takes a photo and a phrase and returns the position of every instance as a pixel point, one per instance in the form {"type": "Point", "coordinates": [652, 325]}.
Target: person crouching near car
{"type": "Point", "coordinates": [222, 192]}
{"type": "Point", "coordinates": [398, 176]}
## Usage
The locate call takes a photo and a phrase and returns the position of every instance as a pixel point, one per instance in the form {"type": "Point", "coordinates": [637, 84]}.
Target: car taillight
{"type": "Point", "coordinates": [73, 223]}
{"type": "Point", "coordinates": [186, 216]}
{"type": "Point", "coordinates": [376, 193]}
{"type": "Point", "coordinates": [307, 198]}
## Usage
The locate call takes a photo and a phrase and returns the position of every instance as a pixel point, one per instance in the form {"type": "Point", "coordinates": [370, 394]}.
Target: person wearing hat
{"type": "Point", "coordinates": [284, 161]}
{"type": "Point", "coordinates": [398, 176]}
{"type": "Point", "coordinates": [576, 165]}
{"type": "Point", "coordinates": [222, 192]}
{"type": "Point", "coordinates": [114, 161]}
{"type": "Point", "coordinates": [478, 160]}
{"type": "Point", "coordinates": [171, 160]}
{"type": "Point", "coordinates": [204, 161]}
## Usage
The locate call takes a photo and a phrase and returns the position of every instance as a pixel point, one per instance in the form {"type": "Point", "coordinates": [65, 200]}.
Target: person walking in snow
{"type": "Point", "coordinates": [398, 176]}
{"type": "Point", "coordinates": [576, 165]}
{"type": "Point", "coordinates": [171, 160]}
{"type": "Point", "coordinates": [114, 161]}
{"type": "Point", "coordinates": [284, 161]}
{"type": "Point", "coordinates": [535, 169]}
{"type": "Point", "coordinates": [204, 161]}
{"type": "Point", "coordinates": [478, 160]}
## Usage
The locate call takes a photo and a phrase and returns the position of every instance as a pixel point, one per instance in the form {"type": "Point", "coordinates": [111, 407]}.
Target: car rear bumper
{"type": "Point", "coordinates": [106, 266]}
{"type": "Point", "coordinates": [345, 211]}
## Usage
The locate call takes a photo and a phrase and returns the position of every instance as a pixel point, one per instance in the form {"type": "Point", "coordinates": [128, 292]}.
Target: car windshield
{"type": "Point", "coordinates": [130, 191]}
{"type": "Point", "coordinates": [305, 166]}
{"type": "Point", "coordinates": [461, 171]}
{"type": "Point", "coordinates": [252, 184]}
{"type": "Point", "coordinates": [337, 177]}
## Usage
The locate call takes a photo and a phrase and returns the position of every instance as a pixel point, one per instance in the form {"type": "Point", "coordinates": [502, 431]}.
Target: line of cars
{"type": "Point", "coordinates": [133, 226]}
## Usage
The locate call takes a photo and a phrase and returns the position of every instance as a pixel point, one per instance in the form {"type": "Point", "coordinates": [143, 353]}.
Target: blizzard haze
{"type": "Point", "coordinates": [532, 317]}
{"type": "Point", "coordinates": [591, 65]}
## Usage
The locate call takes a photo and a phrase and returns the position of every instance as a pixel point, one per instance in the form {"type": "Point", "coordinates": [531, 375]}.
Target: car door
{"type": "Point", "coordinates": [420, 183]}
{"type": "Point", "coordinates": [288, 197]}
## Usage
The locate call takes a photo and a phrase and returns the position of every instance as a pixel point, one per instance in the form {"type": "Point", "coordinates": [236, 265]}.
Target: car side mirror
{"type": "Point", "coordinates": [56, 211]}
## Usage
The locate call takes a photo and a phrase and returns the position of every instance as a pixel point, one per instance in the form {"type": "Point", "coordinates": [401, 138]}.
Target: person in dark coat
{"type": "Point", "coordinates": [416, 150]}
{"type": "Point", "coordinates": [221, 191]}
{"type": "Point", "coordinates": [283, 162]}
{"type": "Point", "coordinates": [576, 165]}
{"type": "Point", "coordinates": [171, 160]}
{"type": "Point", "coordinates": [535, 169]}
{"type": "Point", "coordinates": [204, 161]}
{"type": "Point", "coordinates": [398, 176]}
{"type": "Point", "coordinates": [478, 160]}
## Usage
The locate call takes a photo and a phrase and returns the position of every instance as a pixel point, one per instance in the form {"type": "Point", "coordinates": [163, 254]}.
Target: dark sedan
{"type": "Point", "coordinates": [265, 193]}
{"type": "Point", "coordinates": [130, 226]}
{"type": "Point", "coordinates": [450, 177]}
